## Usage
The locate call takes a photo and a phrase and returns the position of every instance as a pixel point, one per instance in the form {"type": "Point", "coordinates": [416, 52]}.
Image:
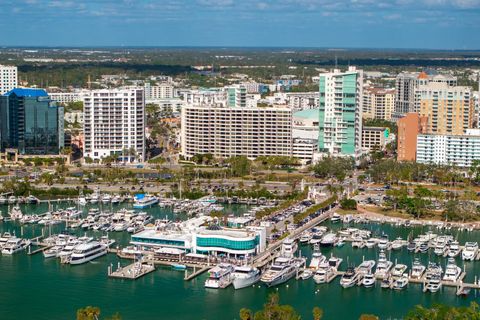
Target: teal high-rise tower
{"type": "Point", "coordinates": [340, 122]}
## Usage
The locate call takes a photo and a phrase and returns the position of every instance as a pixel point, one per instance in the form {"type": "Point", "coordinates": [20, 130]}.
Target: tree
{"type": "Point", "coordinates": [246, 314]}
{"type": "Point", "coordinates": [368, 317]}
{"type": "Point", "coordinates": [272, 310]}
{"type": "Point", "coordinates": [317, 313]}
{"type": "Point", "coordinates": [348, 204]}
{"type": "Point", "coordinates": [88, 313]}
{"type": "Point", "coordinates": [239, 166]}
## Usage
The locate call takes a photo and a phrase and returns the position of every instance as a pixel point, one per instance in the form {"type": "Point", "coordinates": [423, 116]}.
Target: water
{"type": "Point", "coordinates": [38, 288]}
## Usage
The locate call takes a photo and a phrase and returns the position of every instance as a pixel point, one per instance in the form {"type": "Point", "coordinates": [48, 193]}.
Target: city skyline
{"type": "Point", "coordinates": [425, 24]}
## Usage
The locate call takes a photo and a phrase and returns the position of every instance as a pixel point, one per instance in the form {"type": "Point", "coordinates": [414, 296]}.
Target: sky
{"type": "Point", "coordinates": [421, 24]}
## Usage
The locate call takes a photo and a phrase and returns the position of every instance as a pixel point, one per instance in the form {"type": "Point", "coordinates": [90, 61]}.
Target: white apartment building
{"type": "Point", "coordinates": [304, 149]}
{"type": "Point", "coordinates": [230, 131]}
{"type": "Point", "coordinates": [212, 96]}
{"type": "Point", "coordinates": [68, 97]}
{"type": "Point", "coordinates": [114, 124]}
{"type": "Point", "coordinates": [302, 100]}
{"type": "Point", "coordinates": [74, 117]}
{"type": "Point", "coordinates": [459, 150]}
{"type": "Point", "coordinates": [8, 78]}
{"type": "Point", "coordinates": [160, 91]}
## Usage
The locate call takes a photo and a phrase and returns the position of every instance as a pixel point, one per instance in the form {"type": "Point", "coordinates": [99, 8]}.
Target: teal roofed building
{"type": "Point", "coordinates": [31, 122]}
{"type": "Point", "coordinates": [340, 113]}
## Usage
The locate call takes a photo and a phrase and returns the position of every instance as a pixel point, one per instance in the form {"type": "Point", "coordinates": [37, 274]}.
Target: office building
{"type": "Point", "coordinates": [230, 131]}
{"type": "Point", "coordinates": [406, 83]}
{"type": "Point", "coordinates": [31, 122]}
{"type": "Point", "coordinates": [449, 109]}
{"type": "Point", "coordinates": [340, 121]}
{"type": "Point", "coordinates": [114, 124]}
{"type": "Point", "coordinates": [458, 150]}
{"type": "Point", "coordinates": [8, 78]}
{"type": "Point", "coordinates": [375, 138]}
{"type": "Point", "coordinates": [409, 127]}
{"type": "Point", "coordinates": [378, 103]}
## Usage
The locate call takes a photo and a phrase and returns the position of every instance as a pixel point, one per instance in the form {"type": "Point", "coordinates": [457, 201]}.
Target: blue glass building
{"type": "Point", "coordinates": [31, 122]}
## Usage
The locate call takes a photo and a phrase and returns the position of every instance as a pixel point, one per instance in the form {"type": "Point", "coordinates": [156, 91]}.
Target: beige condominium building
{"type": "Point", "coordinates": [378, 103]}
{"type": "Point", "coordinates": [449, 109]}
{"type": "Point", "coordinates": [233, 131]}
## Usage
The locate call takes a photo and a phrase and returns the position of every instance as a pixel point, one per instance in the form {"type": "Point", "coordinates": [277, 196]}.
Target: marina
{"type": "Point", "coordinates": [182, 273]}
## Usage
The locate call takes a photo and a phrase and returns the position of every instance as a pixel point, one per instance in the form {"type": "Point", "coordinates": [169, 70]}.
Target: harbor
{"type": "Point", "coordinates": [185, 275]}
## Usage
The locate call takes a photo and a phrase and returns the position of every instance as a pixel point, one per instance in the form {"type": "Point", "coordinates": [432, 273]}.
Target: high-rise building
{"type": "Point", "coordinates": [450, 109]}
{"type": "Point", "coordinates": [406, 84]}
{"type": "Point", "coordinates": [340, 122]}
{"type": "Point", "coordinates": [31, 122]}
{"type": "Point", "coordinates": [237, 96]}
{"type": "Point", "coordinates": [409, 127]}
{"type": "Point", "coordinates": [114, 124]}
{"type": "Point", "coordinates": [160, 91]}
{"type": "Point", "coordinates": [378, 103]}
{"type": "Point", "coordinates": [8, 78]}
{"type": "Point", "coordinates": [229, 131]}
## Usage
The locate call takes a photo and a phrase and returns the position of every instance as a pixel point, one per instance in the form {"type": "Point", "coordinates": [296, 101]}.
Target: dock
{"type": "Point", "coordinates": [195, 273]}
{"type": "Point", "coordinates": [132, 271]}
{"type": "Point", "coordinates": [41, 249]}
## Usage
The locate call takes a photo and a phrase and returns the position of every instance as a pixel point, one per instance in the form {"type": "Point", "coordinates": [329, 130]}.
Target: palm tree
{"type": "Point", "coordinates": [245, 314]}
{"type": "Point", "coordinates": [317, 313]}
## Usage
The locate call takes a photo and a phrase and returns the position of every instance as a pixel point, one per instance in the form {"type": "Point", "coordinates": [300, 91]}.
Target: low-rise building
{"type": "Point", "coordinates": [304, 149]}
{"type": "Point", "coordinates": [375, 138]}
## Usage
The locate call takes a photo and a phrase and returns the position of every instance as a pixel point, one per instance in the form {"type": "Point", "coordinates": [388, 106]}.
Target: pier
{"type": "Point", "coordinates": [132, 271]}
{"type": "Point", "coordinates": [195, 273]}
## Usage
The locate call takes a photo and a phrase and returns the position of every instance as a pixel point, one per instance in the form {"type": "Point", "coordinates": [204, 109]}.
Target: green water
{"type": "Point", "coordinates": [32, 287]}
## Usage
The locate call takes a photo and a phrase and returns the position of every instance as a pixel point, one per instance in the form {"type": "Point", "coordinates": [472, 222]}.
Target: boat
{"type": "Point", "coordinates": [411, 246]}
{"type": "Point", "coordinates": [470, 251]}
{"type": "Point", "coordinates": [3, 200]}
{"type": "Point", "coordinates": [143, 201]}
{"type": "Point", "coordinates": [305, 237]}
{"type": "Point", "coordinates": [12, 200]}
{"type": "Point", "coordinates": [116, 199]}
{"type": "Point", "coordinates": [317, 258]}
{"type": "Point", "coordinates": [328, 240]}
{"type": "Point", "coordinates": [349, 278]}
{"type": "Point", "coordinates": [335, 218]}
{"type": "Point", "coordinates": [371, 242]}
{"type": "Point", "coordinates": [340, 243]}
{"type": "Point", "coordinates": [383, 265]}
{"type": "Point", "coordinates": [365, 267]}
{"type": "Point", "coordinates": [397, 244]}
{"type": "Point", "coordinates": [4, 238]}
{"type": "Point", "coordinates": [358, 243]}
{"type": "Point", "coordinates": [179, 267]}
{"type": "Point", "coordinates": [32, 199]}
{"type": "Point", "coordinates": [86, 252]}
{"type": "Point", "coordinates": [245, 276]}
{"type": "Point", "coordinates": [387, 282]}
{"type": "Point", "coordinates": [434, 283]}
{"type": "Point", "coordinates": [401, 282]}
{"type": "Point", "coordinates": [289, 247]}
{"type": "Point", "coordinates": [324, 272]}
{"type": "Point", "coordinates": [106, 198]}
{"type": "Point", "coordinates": [220, 276]}
{"type": "Point", "coordinates": [16, 213]}
{"type": "Point", "coordinates": [454, 249]}
{"type": "Point", "coordinates": [281, 270]}
{"type": "Point", "coordinates": [306, 274]}
{"type": "Point", "coordinates": [335, 262]}
{"type": "Point", "coordinates": [423, 247]}
{"type": "Point", "coordinates": [440, 249]}
{"type": "Point", "coordinates": [383, 243]}
{"type": "Point", "coordinates": [398, 270]}
{"type": "Point", "coordinates": [368, 280]}
{"type": "Point", "coordinates": [452, 271]}
{"type": "Point", "coordinates": [418, 269]}
{"type": "Point", "coordinates": [52, 252]}
{"type": "Point", "coordinates": [14, 245]}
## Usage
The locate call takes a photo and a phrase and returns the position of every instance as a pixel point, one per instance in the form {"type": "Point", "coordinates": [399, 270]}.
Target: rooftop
{"type": "Point", "coordinates": [307, 114]}
{"type": "Point", "coordinates": [28, 92]}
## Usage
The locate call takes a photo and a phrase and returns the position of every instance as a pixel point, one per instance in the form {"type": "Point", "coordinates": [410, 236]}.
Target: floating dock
{"type": "Point", "coordinates": [132, 271]}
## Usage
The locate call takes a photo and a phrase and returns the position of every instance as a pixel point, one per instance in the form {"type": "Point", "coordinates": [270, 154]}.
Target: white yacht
{"type": "Point", "coordinates": [220, 276]}
{"type": "Point", "coordinates": [401, 282]}
{"type": "Point", "coordinates": [383, 243]}
{"type": "Point", "coordinates": [349, 278]}
{"type": "Point", "coordinates": [52, 252]}
{"type": "Point", "coordinates": [12, 200]}
{"type": "Point", "coordinates": [335, 262]}
{"type": "Point", "coordinates": [289, 247]}
{"type": "Point", "coordinates": [398, 270]}
{"type": "Point", "coordinates": [328, 240]}
{"type": "Point", "coordinates": [144, 201]}
{"type": "Point", "coordinates": [365, 267]}
{"type": "Point", "coordinates": [440, 249]}
{"type": "Point", "coordinates": [358, 243]}
{"type": "Point", "coordinates": [86, 252]}
{"type": "Point", "coordinates": [4, 238]}
{"type": "Point", "coordinates": [16, 213]}
{"type": "Point", "coordinates": [368, 280]}
{"type": "Point", "coordinates": [14, 245]}
{"type": "Point", "coordinates": [452, 271]}
{"type": "Point", "coordinates": [245, 276]}
{"type": "Point", "coordinates": [383, 265]}
{"type": "Point", "coordinates": [317, 258]}
{"type": "Point", "coordinates": [306, 274]}
{"type": "Point", "coordinates": [323, 273]}
{"type": "Point", "coordinates": [106, 198]}
{"type": "Point", "coordinates": [470, 251]}
{"type": "Point", "coordinates": [336, 218]}
{"type": "Point", "coordinates": [418, 269]}
{"type": "Point", "coordinates": [282, 270]}
{"type": "Point", "coordinates": [434, 283]}
{"type": "Point", "coordinates": [453, 249]}
{"type": "Point", "coordinates": [3, 200]}
{"type": "Point", "coordinates": [305, 237]}
{"type": "Point", "coordinates": [398, 243]}
{"type": "Point", "coordinates": [116, 199]}
{"type": "Point", "coordinates": [371, 242]}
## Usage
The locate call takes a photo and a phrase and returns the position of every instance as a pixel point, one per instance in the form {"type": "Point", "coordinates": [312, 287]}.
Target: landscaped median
{"type": "Point", "coordinates": [311, 210]}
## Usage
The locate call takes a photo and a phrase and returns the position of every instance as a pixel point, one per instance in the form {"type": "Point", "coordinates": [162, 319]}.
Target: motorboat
{"type": "Point", "coordinates": [3, 200]}
{"type": "Point", "coordinates": [14, 245]}
{"type": "Point", "coordinates": [86, 252]}
{"type": "Point", "coordinates": [454, 249]}
{"type": "Point", "coordinates": [383, 265]}
{"type": "Point", "coordinates": [340, 242]}
{"type": "Point", "coordinates": [220, 276]}
{"type": "Point", "coordinates": [324, 272]}
{"type": "Point", "coordinates": [398, 270]}
{"type": "Point", "coordinates": [452, 271]}
{"type": "Point", "coordinates": [245, 276]}
{"type": "Point", "coordinates": [281, 270]}
{"type": "Point", "coordinates": [335, 218]}
{"type": "Point", "coordinates": [143, 201]}
{"type": "Point", "coordinates": [328, 240]}
{"type": "Point", "coordinates": [116, 199]}
{"type": "Point", "coordinates": [316, 238]}
{"type": "Point", "coordinates": [106, 198]}
{"type": "Point", "coordinates": [365, 267]}
{"type": "Point", "coordinates": [349, 278]}
{"type": "Point", "coordinates": [398, 244]}
{"type": "Point", "coordinates": [4, 238]}
{"type": "Point", "coordinates": [358, 243]}
{"type": "Point", "coordinates": [12, 200]}
{"type": "Point", "coordinates": [32, 199]}
{"type": "Point", "coordinates": [306, 274]}
{"type": "Point", "coordinates": [470, 251]}
{"type": "Point", "coordinates": [317, 258]}
{"type": "Point", "coordinates": [368, 280]}
{"type": "Point", "coordinates": [383, 243]}
{"type": "Point", "coordinates": [423, 247]}
{"type": "Point", "coordinates": [401, 282]}
{"type": "Point", "coordinates": [52, 252]}
{"type": "Point", "coordinates": [16, 213]}
{"type": "Point", "coordinates": [289, 247]}
{"type": "Point", "coordinates": [440, 249]}
{"type": "Point", "coordinates": [305, 237]}
{"type": "Point", "coordinates": [335, 262]}
{"type": "Point", "coordinates": [411, 246]}
{"type": "Point", "coordinates": [387, 282]}
{"type": "Point", "coordinates": [418, 269]}
{"type": "Point", "coordinates": [434, 283]}
{"type": "Point", "coordinates": [371, 242]}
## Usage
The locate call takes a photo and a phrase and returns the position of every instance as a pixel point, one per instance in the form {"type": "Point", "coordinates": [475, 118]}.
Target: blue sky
{"type": "Point", "coordinates": [429, 24]}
